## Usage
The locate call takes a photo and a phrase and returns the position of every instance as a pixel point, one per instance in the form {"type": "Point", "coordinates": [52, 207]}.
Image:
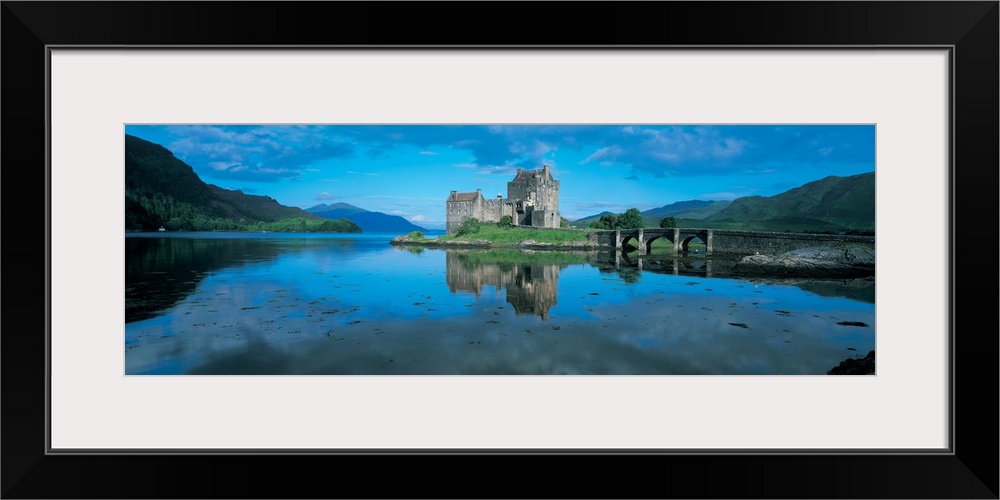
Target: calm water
{"type": "Point", "coordinates": [224, 303]}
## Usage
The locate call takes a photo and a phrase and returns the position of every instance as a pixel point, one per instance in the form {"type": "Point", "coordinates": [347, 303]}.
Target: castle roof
{"type": "Point", "coordinates": [541, 172]}
{"type": "Point", "coordinates": [465, 196]}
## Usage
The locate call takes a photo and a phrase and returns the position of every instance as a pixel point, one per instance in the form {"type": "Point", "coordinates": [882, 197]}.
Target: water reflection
{"type": "Point", "coordinates": [531, 287]}
{"type": "Point", "coordinates": [630, 267]}
{"type": "Point", "coordinates": [162, 271]}
{"type": "Point", "coordinates": [356, 305]}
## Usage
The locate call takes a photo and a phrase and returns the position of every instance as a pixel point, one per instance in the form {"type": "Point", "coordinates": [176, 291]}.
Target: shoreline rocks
{"type": "Point", "coordinates": [828, 262]}
{"type": "Point", "coordinates": [853, 366]}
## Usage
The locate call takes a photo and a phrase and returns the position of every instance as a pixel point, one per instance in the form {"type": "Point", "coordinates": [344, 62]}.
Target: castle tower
{"type": "Point", "coordinates": [537, 194]}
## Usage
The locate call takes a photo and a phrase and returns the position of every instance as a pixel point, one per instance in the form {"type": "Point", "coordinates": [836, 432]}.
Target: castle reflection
{"type": "Point", "coordinates": [531, 286]}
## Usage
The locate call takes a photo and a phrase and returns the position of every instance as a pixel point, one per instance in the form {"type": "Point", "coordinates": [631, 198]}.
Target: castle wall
{"type": "Point", "coordinates": [544, 218]}
{"type": "Point", "coordinates": [492, 211]}
{"type": "Point", "coordinates": [521, 216]}
{"type": "Point", "coordinates": [519, 188]}
{"type": "Point", "coordinates": [458, 211]}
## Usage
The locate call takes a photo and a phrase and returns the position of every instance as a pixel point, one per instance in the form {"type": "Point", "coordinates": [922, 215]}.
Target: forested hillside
{"type": "Point", "coordinates": [163, 191]}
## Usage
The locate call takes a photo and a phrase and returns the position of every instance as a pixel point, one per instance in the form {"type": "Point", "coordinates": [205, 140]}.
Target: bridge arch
{"type": "Point", "coordinates": [659, 236]}
{"type": "Point", "coordinates": [631, 239]}
{"type": "Point", "coordinates": [685, 245]}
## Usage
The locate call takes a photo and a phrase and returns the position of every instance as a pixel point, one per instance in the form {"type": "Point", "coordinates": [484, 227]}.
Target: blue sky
{"type": "Point", "coordinates": [409, 170]}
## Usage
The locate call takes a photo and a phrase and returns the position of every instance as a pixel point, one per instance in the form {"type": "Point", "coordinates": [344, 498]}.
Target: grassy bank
{"type": "Point", "coordinates": [508, 236]}
{"type": "Point", "coordinates": [513, 235]}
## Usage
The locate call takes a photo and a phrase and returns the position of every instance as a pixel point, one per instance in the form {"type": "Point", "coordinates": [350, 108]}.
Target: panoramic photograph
{"type": "Point", "coordinates": [503, 249]}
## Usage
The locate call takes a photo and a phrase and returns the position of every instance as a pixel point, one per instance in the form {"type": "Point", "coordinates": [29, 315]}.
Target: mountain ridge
{"type": "Point", "coordinates": [163, 191]}
{"type": "Point", "coordinates": [831, 204]}
{"type": "Point", "coordinates": [369, 221]}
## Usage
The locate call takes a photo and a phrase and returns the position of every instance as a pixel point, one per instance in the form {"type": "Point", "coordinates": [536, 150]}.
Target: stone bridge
{"type": "Point", "coordinates": [725, 241]}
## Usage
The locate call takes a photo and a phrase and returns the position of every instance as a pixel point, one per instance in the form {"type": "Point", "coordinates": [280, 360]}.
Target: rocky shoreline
{"type": "Point", "coordinates": [855, 366]}
{"type": "Point", "coordinates": [826, 262]}
{"type": "Point", "coordinates": [846, 261]}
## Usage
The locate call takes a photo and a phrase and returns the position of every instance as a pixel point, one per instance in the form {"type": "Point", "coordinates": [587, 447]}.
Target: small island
{"type": "Point", "coordinates": [480, 235]}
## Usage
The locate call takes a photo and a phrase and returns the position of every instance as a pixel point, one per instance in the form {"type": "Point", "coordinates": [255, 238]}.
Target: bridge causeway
{"type": "Point", "coordinates": [728, 241]}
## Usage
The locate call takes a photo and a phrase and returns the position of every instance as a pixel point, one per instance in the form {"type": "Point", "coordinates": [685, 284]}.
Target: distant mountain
{"type": "Point", "coordinates": [163, 191]}
{"type": "Point", "coordinates": [832, 203]}
{"type": "Point", "coordinates": [592, 217]}
{"type": "Point", "coordinates": [692, 209]}
{"type": "Point", "coordinates": [345, 207]}
{"type": "Point", "coordinates": [370, 222]}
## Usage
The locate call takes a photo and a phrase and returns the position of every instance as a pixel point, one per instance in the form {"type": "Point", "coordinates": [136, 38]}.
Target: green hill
{"type": "Point", "coordinates": [163, 191]}
{"type": "Point", "coordinates": [830, 204]}
{"type": "Point", "coordinates": [833, 204]}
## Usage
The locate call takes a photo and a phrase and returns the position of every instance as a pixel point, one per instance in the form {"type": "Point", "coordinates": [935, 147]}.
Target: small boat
{"type": "Point", "coordinates": [162, 228]}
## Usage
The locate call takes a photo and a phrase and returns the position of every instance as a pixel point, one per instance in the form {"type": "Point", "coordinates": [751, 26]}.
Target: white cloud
{"type": "Point", "coordinates": [662, 151]}
{"type": "Point", "coordinates": [604, 153]}
{"type": "Point", "coordinates": [730, 147]}
{"type": "Point", "coordinates": [267, 170]}
{"type": "Point", "coordinates": [221, 165]}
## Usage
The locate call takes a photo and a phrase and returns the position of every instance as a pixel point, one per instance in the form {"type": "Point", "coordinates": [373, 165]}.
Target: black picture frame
{"type": "Point", "coordinates": [969, 28]}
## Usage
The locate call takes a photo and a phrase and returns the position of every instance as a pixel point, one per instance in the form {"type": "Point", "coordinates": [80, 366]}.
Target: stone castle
{"type": "Point", "coordinates": [532, 200]}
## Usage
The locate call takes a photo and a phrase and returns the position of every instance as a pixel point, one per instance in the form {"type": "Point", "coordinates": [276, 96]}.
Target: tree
{"type": "Point", "coordinates": [609, 221]}
{"type": "Point", "coordinates": [468, 226]}
{"type": "Point", "coordinates": [668, 222]}
{"type": "Point", "coordinates": [631, 219]}
{"type": "Point", "coordinates": [564, 223]}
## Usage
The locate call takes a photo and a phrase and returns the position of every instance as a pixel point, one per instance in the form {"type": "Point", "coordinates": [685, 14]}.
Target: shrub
{"type": "Point", "coordinates": [506, 221]}
{"type": "Point", "coordinates": [468, 226]}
